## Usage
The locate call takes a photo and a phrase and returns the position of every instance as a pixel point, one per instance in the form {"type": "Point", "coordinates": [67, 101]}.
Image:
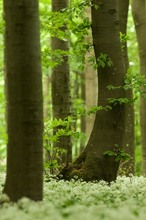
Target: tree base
{"type": "Point", "coordinates": [89, 168]}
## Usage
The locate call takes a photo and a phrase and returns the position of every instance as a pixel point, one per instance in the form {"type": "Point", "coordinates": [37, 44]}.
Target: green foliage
{"type": "Point", "coordinates": [54, 58]}
{"type": "Point", "coordinates": [63, 128]}
{"type": "Point", "coordinates": [51, 165]}
{"type": "Point", "coordinates": [123, 39]}
{"type": "Point", "coordinates": [135, 82]}
{"type": "Point", "coordinates": [83, 112]}
{"type": "Point", "coordinates": [104, 60]}
{"type": "Point", "coordinates": [78, 28]}
{"type": "Point", "coordinates": [66, 127]}
{"type": "Point", "coordinates": [120, 101]}
{"type": "Point", "coordinates": [118, 154]}
{"type": "Point", "coordinates": [69, 24]}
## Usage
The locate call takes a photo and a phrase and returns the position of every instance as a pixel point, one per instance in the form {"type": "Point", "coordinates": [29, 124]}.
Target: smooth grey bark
{"type": "Point", "coordinates": [24, 175]}
{"type": "Point", "coordinates": [139, 16]}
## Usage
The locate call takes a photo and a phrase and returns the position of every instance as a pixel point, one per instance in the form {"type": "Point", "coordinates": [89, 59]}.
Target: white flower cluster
{"type": "Point", "coordinates": [78, 200]}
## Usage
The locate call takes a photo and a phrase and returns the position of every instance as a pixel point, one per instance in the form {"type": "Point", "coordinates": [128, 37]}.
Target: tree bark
{"type": "Point", "coordinates": [127, 167]}
{"type": "Point", "coordinates": [47, 107]}
{"type": "Point", "coordinates": [91, 85]}
{"type": "Point", "coordinates": [83, 119]}
{"type": "Point", "coordinates": [139, 16]}
{"type": "Point", "coordinates": [61, 98]}
{"type": "Point", "coordinates": [24, 100]}
{"type": "Point", "coordinates": [109, 126]}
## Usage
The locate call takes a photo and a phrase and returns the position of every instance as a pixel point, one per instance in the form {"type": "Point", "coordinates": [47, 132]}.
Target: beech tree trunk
{"type": "Point", "coordinates": [139, 16]}
{"type": "Point", "coordinates": [61, 98]}
{"type": "Point", "coordinates": [91, 85]}
{"type": "Point", "coordinates": [91, 96]}
{"type": "Point", "coordinates": [24, 100]}
{"type": "Point", "coordinates": [109, 126]}
{"type": "Point", "coordinates": [47, 109]}
{"type": "Point", "coordinates": [127, 167]}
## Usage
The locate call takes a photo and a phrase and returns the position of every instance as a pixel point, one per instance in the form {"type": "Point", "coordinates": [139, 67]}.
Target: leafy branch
{"type": "Point", "coordinates": [118, 154]}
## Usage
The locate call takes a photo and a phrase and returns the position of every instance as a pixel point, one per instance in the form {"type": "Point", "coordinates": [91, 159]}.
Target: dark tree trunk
{"type": "Point", "coordinates": [24, 100]}
{"type": "Point", "coordinates": [61, 99]}
{"type": "Point", "coordinates": [109, 126]}
{"type": "Point", "coordinates": [127, 167]}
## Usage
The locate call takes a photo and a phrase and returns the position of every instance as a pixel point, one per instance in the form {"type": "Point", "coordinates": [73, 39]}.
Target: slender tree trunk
{"type": "Point", "coordinates": [75, 97]}
{"type": "Point", "coordinates": [139, 16]}
{"type": "Point", "coordinates": [91, 96]}
{"type": "Point", "coordinates": [61, 99]}
{"type": "Point", "coordinates": [47, 106]}
{"type": "Point", "coordinates": [127, 167]}
{"type": "Point", "coordinates": [109, 126]}
{"type": "Point", "coordinates": [83, 119]}
{"type": "Point", "coordinates": [91, 85]}
{"type": "Point", "coordinates": [24, 100]}
{"type": "Point", "coordinates": [47, 99]}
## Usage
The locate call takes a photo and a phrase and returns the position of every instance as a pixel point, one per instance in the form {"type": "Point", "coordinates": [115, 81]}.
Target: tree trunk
{"type": "Point", "coordinates": [91, 85]}
{"type": "Point", "coordinates": [91, 95]}
{"type": "Point", "coordinates": [139, 16]}
{"type": "Point", "coordinates": [61, 99]}
{"type": "Point", "coordinates": [24, 100]}
{"type": "Point", "coordinates": [47, 106]}
{"type": "Point", "coordinates": [109, 126]}
{"type": "Point", "coordinates": [47, 96]}
{"type": "Point", "coordinates": [127, 167]}
{"type": "Point", "coordinates": [83, 118]}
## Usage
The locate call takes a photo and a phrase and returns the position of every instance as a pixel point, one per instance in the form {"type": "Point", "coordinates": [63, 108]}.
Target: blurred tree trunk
{"type": "Point", "coordinates": [76, 96]}
{"type": "Point", "coordinates": [47, 112]}
{"type": "Point", "coordinates": [89, 90]}
{"type": "Point", "coordinates": [139, 16]}
{"type": "Point", "coordinates": [109, 125]}
{"type": "Point", "coordinates": [24, 100]}
{"type": "Point", "coordinates": [47, 95]}
{"type": "Point", "coordinates": [127, 167]}
{"type": "Point", "coordinates": [61, 99]}
{"type": "Point", "coordinates": [83, 119]}
{"type": "Point", "coordinates": [91, 87]}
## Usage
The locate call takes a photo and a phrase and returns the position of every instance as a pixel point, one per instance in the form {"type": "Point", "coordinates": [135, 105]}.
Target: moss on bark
{"type": "Point", "coordinates": [90, 168]}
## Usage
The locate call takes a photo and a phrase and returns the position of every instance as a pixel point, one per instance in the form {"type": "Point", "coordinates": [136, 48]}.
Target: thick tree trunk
{"type": "Point", "coordinates": [139, 15]}
{"type": "Point", "coordinates": [108, 129]}
{"type": "Point", "coordinates": [24, 100]}
{"type": "Point", "coordinates": [127, 167]}
{"type": "Point", "coordinates": [61, 99]}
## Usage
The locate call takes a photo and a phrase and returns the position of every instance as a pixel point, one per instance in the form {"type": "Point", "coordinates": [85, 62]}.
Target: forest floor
{"type": "Point", "coordinates": [78, 200]}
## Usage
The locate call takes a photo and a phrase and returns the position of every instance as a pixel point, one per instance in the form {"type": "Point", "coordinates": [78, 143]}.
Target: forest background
{"type": "Point", "coordinates": [81, 83]}
{"type": "Point", "coordinates": [82, 193]}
